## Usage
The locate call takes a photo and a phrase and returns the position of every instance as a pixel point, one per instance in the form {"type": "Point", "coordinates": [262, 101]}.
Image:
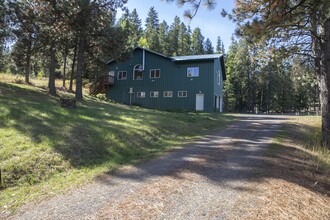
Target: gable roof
{"type": "Point", "coordinates": [187, 58]}
{"type": "Point", "coordinates": [150, 51]}
{"type": "Point", "coordinates": [142, 48]}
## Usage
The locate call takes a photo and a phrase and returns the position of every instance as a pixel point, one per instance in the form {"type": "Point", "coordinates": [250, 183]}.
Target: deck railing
{"type": "Point", "coordinates": [101, 84]}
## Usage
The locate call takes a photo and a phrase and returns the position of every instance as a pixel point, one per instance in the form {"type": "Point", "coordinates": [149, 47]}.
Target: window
{"type": "Point", "coordinates": [192, 71]}
{"type": "Point", "coordinates": [218, 77]}
{"type": "Point", "coordinates": [168, 94]}
{"type": "Point", "coordinates": [138, 72]}
{"type": "Point", "coordinates": [182, 94]}
{"type": "Point", "coordinates": [155, 73]}
{"type": "Point", "coordinates": [140, 95]}
{"type": "Point", "coordinates": [122, 75]}
{"type": "Point", "coordinates": [154, 94]}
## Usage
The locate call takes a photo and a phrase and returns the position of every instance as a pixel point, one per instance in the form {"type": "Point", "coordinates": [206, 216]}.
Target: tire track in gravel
{"type": "Point", "coordinates": [214, 178]}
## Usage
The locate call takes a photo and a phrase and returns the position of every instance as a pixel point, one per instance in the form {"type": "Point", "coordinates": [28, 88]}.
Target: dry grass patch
{"type": "Point", "coordinates": [40, 82]}
{"type": "Point", "coordinates": [298, 174]}
{"type": "Point", "coordinates": [286, 200]}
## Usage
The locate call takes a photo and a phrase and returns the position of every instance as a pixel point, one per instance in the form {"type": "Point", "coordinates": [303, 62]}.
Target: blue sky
{"type": "Point", "coordinates": [211, 23]}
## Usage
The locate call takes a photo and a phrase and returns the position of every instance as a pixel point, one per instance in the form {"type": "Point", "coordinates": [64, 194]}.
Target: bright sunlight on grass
{"type": "Point", "coordinates": [45, 148]}
{"type": "Point", "coordinates": [304, 132]}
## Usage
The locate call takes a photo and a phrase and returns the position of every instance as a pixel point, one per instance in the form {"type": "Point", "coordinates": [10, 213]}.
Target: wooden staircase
{"type": "Point", "coordinates": [101, 85]}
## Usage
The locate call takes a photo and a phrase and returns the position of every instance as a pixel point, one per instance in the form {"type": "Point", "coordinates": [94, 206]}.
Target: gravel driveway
{"type": "Point", "coordinates": [214, 178]}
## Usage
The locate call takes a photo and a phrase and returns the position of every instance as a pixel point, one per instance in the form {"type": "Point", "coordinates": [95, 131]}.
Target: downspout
{"type": "Point", "coordinates": [143, 59]}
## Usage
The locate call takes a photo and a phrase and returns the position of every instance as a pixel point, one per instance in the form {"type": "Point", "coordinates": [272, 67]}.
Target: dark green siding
{"type": "Point", "coordinates": [173, 77]}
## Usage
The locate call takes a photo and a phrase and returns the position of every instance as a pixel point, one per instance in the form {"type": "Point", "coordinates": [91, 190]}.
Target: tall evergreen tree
{"type": "Point", "coordinates": [26, 31]}
{"type": "Point", "coordinates": [174, 33]}
{"type": "Point", "coordinates": [152, 19]}
{"type": "Point", "coordinates": [294, 26]}
{"type": "Point", "coordinates": [220, 48]}
{"type": "Point", "coordinates": [51, 15]}
{"type": "Point", "coordinates": [136, 27]}
{"type": "Point", "coordinates": [197, 42]}
{"type": "Point", "coordinates": [163, 38]}
{"type": "Point", "coordinates": [124, 22]}
{"type": "Point", "coordinates": [151, 31]}
{"type": "Point", "coordinates": [229, 95]}
{"type": "Point", "coordinates": [240, 77]}
{"type": "Point", "coordinates": [208, 48]}
{"type": "Point", "coordinates": [184, 40]}
{"type": "Point", "coordinates": [131, 23]}
{"type": "Point", "coordinates": [4, 31]}
{"type": "Point", "coordinates": [92, 24]}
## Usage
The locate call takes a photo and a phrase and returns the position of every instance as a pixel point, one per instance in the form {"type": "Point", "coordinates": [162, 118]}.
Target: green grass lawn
{"type": "Point", "coordinates": [45, 149]}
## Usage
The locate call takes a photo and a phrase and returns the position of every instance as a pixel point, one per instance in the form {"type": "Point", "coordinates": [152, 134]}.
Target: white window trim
{"type": "Point", "coordinates": [168, 96]}
{"type": "Point", "coordinates": [140, 97]}
{"type": "Point", "coordinates": [154, 77]}
{"type": "Point", "coordinates": [154, 96]}
{"type": "Point", "coordinates": [218, 78]}
{"type": "Point", "coordinates": [182, 96]}
{"type": "Point", "coordinates": [122, 72]}
{"type": "Point", "coordinates": [196, 67]}
{"type": "Point", "coordinates": [134, 72]}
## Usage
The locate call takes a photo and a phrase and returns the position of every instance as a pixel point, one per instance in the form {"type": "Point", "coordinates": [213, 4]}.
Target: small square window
{"type": "Point", "coordinates": [122, 75]}
{"type": "Point", "coordinates": [154, 94]}
{"type": "Point", "coordinates": [168, 94]}
{"type": "Point", "coordinates": [155, 73]}
{"type": "Point", "coordinates": [192, 71]}
{"type": "Point", "coordinates": [140, 95]}
{"type": "Point", "coordinates": [182, 94]}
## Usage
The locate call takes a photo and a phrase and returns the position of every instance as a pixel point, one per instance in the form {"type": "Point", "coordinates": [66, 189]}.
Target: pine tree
{"type": "Point", "coordinates": [26, 32]}
{"type": "Point", "coordinates": [301, 27]}
{"type": "Point", "coordinates": [241, 76]}
{"type": "Point", "coordinates": [163, 38]}
{"type": "Point", "coordinates": [184, 40]}
{"type": "Point", "coordinates": [152, 20]}
{"type": "Point", "coordinates": [136, 28]}
{"type": "Point", "coordinates": [131, 24]}
{"type": "Point", "coordinates": [151, 31]}
{"type": "Point", "coordinates": [174, 33]}
{"type": "Point", "coordinates": [4, 31]}
{"type": "Point", "coordinates": [229, 94]}
{"type": "Point", "coordinates": [197, 42]}
{"type": "Point", "coordinates": [92, 25]}
{"type": "Point", "coordinates": [208, 48]}
{"type": "Point", "coordinates": [188, 42]}
{"type": "Point", "coordinates": [220, 48]}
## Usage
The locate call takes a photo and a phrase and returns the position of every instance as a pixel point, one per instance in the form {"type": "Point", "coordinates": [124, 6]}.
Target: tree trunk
{"type": "Point", "coordinates": [325, 85]}
{"type": "Point", "coordinates": [28, 62]}
{"type": "Point", "coordinates": [52, 66]}
{"type": "Point", "coordinates": [72, 68]}
{"type": "Point", "coordinates": [64, 66]}
{"type": "Point", "coordinates": [27, 68]}
{"type": "Point", "coordinates": [80, 66]}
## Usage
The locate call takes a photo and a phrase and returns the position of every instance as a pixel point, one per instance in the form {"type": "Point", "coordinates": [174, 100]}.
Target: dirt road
{"type": "Point", "coordinates": [217, 177]}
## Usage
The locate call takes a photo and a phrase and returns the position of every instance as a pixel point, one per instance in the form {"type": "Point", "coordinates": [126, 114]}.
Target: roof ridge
{"type": "Point", "coordinates": [213, 54]}
{"type": "Point", "coordinates": [197, 57]}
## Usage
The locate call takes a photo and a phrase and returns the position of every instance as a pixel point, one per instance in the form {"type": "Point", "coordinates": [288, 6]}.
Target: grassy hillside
{"type": "Point", "coordinates": [45, 148]}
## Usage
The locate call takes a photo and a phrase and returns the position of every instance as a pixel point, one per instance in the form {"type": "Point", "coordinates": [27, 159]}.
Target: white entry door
{"type": "Point", "coordinates": [199, 102]}
{"type": "Point", "coordinates": [220, 109]}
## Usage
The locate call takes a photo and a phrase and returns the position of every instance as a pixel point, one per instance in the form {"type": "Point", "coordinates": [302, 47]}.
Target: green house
{"type": "Point", "coordinates": [152, 80]}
